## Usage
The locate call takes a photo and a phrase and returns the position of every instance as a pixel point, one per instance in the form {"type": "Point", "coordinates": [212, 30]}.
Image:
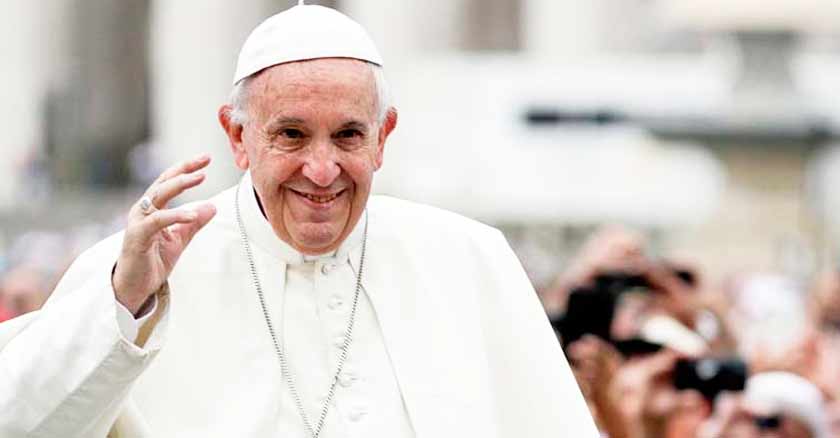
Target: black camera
{"type": "Point", "coordinates": [711, 376]}
{"type": "Point", "coordinates": [591, 309]}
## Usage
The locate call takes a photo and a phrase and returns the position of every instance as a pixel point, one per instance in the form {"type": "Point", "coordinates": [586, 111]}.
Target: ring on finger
{"type": "Point", "coordinates": [146, 205]}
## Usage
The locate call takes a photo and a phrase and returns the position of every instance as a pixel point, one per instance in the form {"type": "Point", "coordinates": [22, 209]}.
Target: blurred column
{"type": "Point", "coordinates": [563, 28]}
{"type": "Point", "coordinates": [30, 35]}
{"type": "Point", "coordinates": [492, 25]}
{"type": "Point", "coordinates": [404, 28]}
{"type": "Point", "coordinates": [194, 45]}
{"type": "Point", "coordinates": [94, 70]}
{"type": "Point", "coordinates": [100, 114]}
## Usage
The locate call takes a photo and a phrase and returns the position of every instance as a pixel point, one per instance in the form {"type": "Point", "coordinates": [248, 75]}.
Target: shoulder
{"type": "Point", "coordinates": [104, 250]}
{"type": "Point", "coordinates": [414, 222]}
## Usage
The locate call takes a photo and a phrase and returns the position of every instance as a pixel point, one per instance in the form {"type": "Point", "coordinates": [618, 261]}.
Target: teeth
{"type": "Point", "coordinates": [320, 199]}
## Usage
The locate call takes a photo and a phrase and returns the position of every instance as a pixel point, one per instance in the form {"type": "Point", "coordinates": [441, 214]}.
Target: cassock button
{"type": "Point", "coordinates": [335, 303]}
{"type": "Point", "coordinates": [346, 379]}
{"type": "Point", "coordinates": [356, 414]}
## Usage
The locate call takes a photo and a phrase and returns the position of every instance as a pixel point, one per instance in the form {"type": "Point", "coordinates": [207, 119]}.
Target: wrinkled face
{"type": "Point", "coordinates": [312, 143]}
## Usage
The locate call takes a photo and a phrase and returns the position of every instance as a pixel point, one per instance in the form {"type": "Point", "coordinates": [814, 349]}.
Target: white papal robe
{"type": "Point", "coordinates": [450, 340]}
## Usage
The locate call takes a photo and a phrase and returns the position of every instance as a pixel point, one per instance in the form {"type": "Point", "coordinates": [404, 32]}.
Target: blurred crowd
{"type": "Point", "coordinates": [33, 262]}
{"type": "Point", "coordinates": [656, 349]}
{"type": "Point", "coordinates": [660, 352]}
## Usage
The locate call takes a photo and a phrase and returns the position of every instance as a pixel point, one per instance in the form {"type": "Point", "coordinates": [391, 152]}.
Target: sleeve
{"type": "Point", "coordinates": [535, 391]}
{"type": "Point", "coordinates": [129, 325]}
{"type": "Point", "coordinates": [69, 368]}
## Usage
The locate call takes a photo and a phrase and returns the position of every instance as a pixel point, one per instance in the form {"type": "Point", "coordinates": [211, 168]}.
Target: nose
{"type": "Point", "coordinates": [321, 165]}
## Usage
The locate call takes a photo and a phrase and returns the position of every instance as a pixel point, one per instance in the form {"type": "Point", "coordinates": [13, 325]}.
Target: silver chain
{"type": "Point", "coordinates": [279, 346]}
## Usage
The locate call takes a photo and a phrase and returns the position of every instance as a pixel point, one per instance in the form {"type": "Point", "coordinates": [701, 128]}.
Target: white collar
{"type": "Point", "coordinates": [262, 235]}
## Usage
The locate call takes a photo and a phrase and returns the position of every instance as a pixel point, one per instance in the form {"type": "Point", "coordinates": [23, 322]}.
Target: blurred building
{"type": "Point", "coordinates": [709, 127]}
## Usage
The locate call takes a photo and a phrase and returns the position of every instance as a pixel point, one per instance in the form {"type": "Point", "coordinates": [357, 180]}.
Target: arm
{"type": "Point", "coordinates": [68, 370]}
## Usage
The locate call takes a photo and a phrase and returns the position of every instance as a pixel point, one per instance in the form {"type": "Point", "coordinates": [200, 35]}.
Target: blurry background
{"type": "Point", "coordinates": [709, 129]}
{"type": "Point", "coordinates": [709, 126]}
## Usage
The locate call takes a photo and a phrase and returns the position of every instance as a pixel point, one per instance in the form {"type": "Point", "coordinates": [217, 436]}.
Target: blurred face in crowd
{"type": "Point", "coordinates": [312, 143]}
{"type": "Point", "coordinates": [738, 418]}
{"type": "Point", "coordinates": [774, 426]}
{"type": "Point", "coordinates": [21, 291]}
{"type": "Point", "coordinates": [827, 301]}
{"type": "Point", "coordinates": [672, 413]}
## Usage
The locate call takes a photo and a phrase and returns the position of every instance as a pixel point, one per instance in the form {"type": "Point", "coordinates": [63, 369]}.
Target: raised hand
{"type": "Point", "coordinates": [156, 236]}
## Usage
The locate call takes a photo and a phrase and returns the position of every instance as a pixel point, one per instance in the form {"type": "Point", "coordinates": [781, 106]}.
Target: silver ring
{"type": "Point", "coordinates": [146, 205]}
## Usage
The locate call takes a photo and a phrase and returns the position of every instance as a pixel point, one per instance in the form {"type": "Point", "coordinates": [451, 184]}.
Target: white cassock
{"type": "Point", "coordinates": [450, 340]}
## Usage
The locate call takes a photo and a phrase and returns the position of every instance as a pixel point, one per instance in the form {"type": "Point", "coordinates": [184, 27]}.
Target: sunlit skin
{"type": "Point", "coordinates": [312, 143]}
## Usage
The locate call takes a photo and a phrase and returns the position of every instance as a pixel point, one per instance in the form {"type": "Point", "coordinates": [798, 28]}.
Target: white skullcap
{"type": "Point", "coordinates": [780, 392]}
{"type": "Point", "coordinates": [302, 33]}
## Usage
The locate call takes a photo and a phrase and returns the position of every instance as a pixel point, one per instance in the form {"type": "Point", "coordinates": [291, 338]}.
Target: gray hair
{"type": "Point", "coordinates": [239, 96]}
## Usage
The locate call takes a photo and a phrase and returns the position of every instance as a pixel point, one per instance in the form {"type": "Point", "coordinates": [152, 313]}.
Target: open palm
{"type": "Point", "coordinates": [156, 237]}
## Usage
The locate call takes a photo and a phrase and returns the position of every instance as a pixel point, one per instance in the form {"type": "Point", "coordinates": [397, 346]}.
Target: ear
{"type": "Point", "coordinates": [387, 127]}
{"type": "Point", "coordinates": [234, 133]}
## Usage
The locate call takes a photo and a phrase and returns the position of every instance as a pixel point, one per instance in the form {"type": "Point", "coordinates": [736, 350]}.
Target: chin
{"type": "Point", "coordinates": [318, 238]}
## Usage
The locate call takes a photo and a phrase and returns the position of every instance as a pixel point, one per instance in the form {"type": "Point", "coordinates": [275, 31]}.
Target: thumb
{"type": "Point", "coordinates": [205, 212]}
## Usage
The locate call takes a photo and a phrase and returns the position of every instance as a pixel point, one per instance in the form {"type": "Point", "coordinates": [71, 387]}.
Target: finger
{"type": "Point", "coordinates": [579, 349]}
{"type": "Point", "coordinates": [663, 362]}
{"type": "Point", "coordinates": [169, 189]}
{"type": "Point", "coordinates": [664, 281]}
{"type": "Point", "coordinates": [204, 213]}
{"type": "Point", "coordinates": [159, 220]}
{"type": "Point", "coordinates": [188, 166]}
{"type": "Point", "coordinates": [137, 212]}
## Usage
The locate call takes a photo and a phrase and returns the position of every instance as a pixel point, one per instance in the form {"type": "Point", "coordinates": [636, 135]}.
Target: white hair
{"type": "Point", "coordinates": [239, 96]}
{"type": "Point", "coordinates": [789, 394]}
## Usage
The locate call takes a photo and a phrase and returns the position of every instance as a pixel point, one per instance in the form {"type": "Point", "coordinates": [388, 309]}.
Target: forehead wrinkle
{"type": "Point", "coordinates": [341, 82]}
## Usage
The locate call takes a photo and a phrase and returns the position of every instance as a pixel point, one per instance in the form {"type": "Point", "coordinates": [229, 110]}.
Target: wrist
{"type": "Point", "coordinates": [137, 307]}
{"type": "Point", "coordinates": [145, 307]}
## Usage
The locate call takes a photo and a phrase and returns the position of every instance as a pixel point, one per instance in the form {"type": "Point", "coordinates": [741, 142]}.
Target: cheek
{"type": "Point", "coordinates": [275, 168]}
{"type": "Point", "coordinates": [360, 168]}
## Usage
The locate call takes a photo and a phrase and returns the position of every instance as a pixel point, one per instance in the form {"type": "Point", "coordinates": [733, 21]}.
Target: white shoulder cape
{"type": "Point", "coordinates": [471, 347]}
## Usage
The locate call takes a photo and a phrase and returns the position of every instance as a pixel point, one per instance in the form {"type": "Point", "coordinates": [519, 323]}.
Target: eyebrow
{"type": "Point", "coordinates": [283, 121]}
{"type": "Point", "coordinates": [276, 123]}
{"type": "Point", "coordinates": [354, 124]}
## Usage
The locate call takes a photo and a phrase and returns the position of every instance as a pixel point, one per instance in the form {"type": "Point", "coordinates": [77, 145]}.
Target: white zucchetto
{"type": "Point", "coordinates": [302, 33]}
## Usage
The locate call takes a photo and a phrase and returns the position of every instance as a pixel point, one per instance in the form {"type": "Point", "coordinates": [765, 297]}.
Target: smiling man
{"type": "Point", "coordinates": [293, 304]}
{"type": "Point", "coordinates": [312, 137]}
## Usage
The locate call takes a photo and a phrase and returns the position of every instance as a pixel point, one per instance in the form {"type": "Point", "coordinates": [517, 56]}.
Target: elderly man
{"type": "Point", "coordinates": [304, 308]}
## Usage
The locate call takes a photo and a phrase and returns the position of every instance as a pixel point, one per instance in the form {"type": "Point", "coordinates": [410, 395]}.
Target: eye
{"type": "Point", "coordinates": [349, 134]}
{"type": "Point", "coordinates": [291, 133]}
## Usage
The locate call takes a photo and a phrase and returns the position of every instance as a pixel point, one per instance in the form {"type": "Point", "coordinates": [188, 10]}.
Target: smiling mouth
{"type": "Point", "coordinates": [319, 199]}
